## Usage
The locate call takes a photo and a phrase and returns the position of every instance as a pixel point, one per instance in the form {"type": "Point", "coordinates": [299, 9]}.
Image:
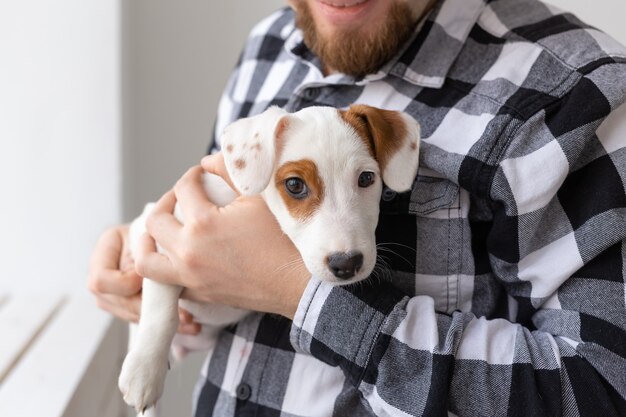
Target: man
{"type": "Point", "coordinates": [504, 293]}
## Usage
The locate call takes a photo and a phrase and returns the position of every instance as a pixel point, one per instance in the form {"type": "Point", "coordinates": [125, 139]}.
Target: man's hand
{"type": "Point", "coordinates": [112, 278]}
{"type": "Point", "coordinates": [235, 255]}
{"type": "Point", "coordinates": [116, 285]}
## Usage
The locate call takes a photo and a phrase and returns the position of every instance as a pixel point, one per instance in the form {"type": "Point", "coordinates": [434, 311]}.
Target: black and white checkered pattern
{"type": "Point", "coordinates": [501, 289]}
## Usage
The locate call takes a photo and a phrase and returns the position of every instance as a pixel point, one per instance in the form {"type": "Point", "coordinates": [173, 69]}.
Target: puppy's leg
{"type": "Point", "coordinates": [143, 372]}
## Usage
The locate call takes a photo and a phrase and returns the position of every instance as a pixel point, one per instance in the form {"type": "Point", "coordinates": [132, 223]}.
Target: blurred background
{"type": "Point", "coordinates": [103, 106]}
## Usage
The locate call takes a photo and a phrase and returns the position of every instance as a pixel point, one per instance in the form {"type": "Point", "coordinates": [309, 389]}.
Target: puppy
{"type": "Point", "coordinates": [321, 172]}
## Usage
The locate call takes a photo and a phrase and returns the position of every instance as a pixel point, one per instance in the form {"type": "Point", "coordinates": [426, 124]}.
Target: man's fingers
{"type": "Point", "coordinates": [214, 164]}
{"type": "Point", "coordinates": [108, 250]}
{"type": "Point", "coordinates": [129, 308]}
{"type": "Point", "coordinates": [104, 265]}
{"type": "Point", "coordinates": [161, 223]}
{"type": "Point", "coordinates": [166, 203]}
{"type": "Point", "coordinates": [187, 294]}
{"type": "Point", "coordinates": [152, 264]}
{"type": "Point", "coordinates": [192, 197]}
{"type": "Point", "coordinates": [186, 324]}
{"type": "Point", "coordinates": [189, 328]}
{"type": "Point", "coordinates": [184, 316]}
{"type": "Point", "coordinates": [125, 308]}
{"type": "Point", "coordinates": [110, 281]}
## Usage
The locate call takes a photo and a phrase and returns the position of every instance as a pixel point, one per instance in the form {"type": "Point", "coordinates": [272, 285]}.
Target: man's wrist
{"type": "Point", "coordinates": [293, 292]}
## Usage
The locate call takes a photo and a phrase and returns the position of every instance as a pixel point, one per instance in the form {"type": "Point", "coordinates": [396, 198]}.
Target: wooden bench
{"type": "Point", "coordinates": [59, 357]}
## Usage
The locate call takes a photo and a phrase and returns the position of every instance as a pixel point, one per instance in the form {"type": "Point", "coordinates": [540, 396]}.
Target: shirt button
{"type": "Point", "coordinates": [243, 391]}
{"type": "Point", "coordinates": [388, 194]}
{"type": "Point", "coordinates": [311, 93]}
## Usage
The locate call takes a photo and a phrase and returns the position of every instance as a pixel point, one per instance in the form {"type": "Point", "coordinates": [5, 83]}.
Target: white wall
{"type": "Point", "coordinates": [176, 59]}
{"type": "Point", "coordinates": [59, 139]}
{"type": "Point", "coordinates": [607, 15]}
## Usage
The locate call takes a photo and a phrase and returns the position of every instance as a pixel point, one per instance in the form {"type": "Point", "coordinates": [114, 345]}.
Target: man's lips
{"type": "Point", "coordinates": [344, 11]}
{"type": "Point", "coordinates": [342, 4]}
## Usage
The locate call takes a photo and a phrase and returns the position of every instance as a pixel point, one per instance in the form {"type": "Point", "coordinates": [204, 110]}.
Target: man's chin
{"type": "Point", "coordinates": [357, 50]}
{"type": "Point", "coordinates": [347, 14]}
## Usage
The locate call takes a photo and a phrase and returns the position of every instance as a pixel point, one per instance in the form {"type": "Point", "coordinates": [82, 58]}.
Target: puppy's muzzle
{"type": "Point", "coordinates": [344, 265]}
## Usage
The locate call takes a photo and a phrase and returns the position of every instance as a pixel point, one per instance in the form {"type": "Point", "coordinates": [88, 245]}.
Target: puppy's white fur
{"type": "Point", "coordinates": [344, 220]}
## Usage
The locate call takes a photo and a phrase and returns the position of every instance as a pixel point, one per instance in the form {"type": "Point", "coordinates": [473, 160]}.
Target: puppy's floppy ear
{"type": "Point", "coordinates": [393, 138]}
{"type": "Point", "coordinates": [251, 146]}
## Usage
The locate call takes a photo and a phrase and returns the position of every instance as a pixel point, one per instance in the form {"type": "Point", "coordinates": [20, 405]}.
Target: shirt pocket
{"type": "Point", "coordinates": [426, 227]}
{"type": "Point", "coordinates": [427, 195]}
{"type": "Point", "coordinates": [440, 242]}
{"type": "Point", "coordinates": [430, 194]}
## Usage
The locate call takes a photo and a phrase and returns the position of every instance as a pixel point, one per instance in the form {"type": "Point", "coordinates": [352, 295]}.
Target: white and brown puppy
{"type": "Point", "coordinates": [321, 173]}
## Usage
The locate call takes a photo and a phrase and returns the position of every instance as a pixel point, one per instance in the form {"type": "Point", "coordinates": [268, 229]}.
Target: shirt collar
{"type": "Point", "coordinates": [427, 57]}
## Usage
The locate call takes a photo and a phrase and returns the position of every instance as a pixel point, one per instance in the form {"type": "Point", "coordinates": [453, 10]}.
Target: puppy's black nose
{"type": "Point", "coordinates": [345, 265]}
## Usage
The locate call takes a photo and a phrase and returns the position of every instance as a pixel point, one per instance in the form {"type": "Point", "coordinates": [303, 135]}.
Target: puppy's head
{"type": "Point", "coordinates": [321, 171]}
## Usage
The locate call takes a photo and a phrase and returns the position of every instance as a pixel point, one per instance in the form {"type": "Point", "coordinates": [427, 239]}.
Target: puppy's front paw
{"type": "Point", "coordinates": [142, 378]}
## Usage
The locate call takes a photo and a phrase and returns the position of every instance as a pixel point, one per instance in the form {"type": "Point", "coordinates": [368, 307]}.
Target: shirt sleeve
{"type": "Point", "coordinates": [557, 246]}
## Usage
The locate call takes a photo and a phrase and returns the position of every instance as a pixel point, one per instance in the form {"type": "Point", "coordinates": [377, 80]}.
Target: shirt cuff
{"type": "Point", "coordinates": [341, 325]}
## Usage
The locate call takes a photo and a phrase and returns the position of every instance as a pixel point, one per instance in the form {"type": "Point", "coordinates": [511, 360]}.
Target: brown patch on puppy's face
{"type": "Point", "coordinates": [382, 131]}
{"type": "Point", "coordinates": [303, 206]}
{"type": "Point", "coordinates": [360, 126]}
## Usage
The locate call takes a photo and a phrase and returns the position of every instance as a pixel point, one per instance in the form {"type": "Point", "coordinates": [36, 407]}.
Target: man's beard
{"type": "Point", "coordinates": [360, 51]}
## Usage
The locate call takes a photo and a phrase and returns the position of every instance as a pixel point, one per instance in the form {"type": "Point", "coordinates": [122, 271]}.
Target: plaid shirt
{"type": "Point", "coordinates": [501, 290]}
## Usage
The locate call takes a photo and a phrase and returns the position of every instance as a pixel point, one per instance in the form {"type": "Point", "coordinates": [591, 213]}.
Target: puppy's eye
{"type": "Point", "coordinates": [296, 188]}
{"type": "Point", "coordinates": [366, 179]}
